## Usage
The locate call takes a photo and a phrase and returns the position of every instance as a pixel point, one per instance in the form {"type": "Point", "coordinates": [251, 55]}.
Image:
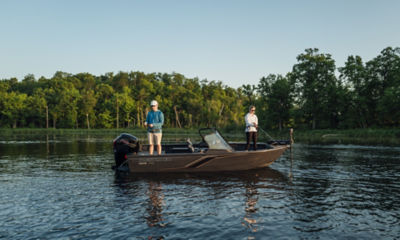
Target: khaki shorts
{"type": "Point", "coordinates": [154, 138]}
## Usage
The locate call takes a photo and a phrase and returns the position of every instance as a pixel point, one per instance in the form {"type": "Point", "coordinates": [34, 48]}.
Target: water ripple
{"type": "Point", "coordinates": [52, 190]}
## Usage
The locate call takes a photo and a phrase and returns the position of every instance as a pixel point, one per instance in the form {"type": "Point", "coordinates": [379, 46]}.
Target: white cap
{"type": "Point", "coordinates": [153, 103]}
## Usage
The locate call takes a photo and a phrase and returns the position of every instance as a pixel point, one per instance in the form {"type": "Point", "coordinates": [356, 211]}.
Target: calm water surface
{"type": "Point", "coordinates": [55, 187]}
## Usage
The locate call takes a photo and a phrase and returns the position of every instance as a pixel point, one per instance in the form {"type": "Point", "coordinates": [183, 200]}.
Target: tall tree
{"type": "Point", "coordinates": [36, 112]}
{"type": "Point", "coordinates": [127, 106]}
{"type": "Point", "coordinates": [354, 75]}
{"type": "Point", "coordinates": [383, 73]}
{"type": "Point", "coordinates": [104, 105]}
{"type": "Point", "coordinates": [12, 106]}
{"type": "Point", "coordinates": [86, 106]}
{"type": "Point", "coordinates": [314, 77]}
{"type": "Point", "coordinates": [276, 91]}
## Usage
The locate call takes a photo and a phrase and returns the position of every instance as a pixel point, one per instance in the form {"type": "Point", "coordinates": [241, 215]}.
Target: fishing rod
{"type": "Point", "coordinates": [270, 138]}
{"type": "Point", "coordinates": [279, 142]}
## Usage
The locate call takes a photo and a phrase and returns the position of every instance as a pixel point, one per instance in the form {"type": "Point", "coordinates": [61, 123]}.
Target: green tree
{"type": "Point", "coordinates": [36, 112]}
{"type": "Point", "coordinates": [105, 120]}
{"type": "Point", "coordinates": [383, 72]}
{"type": "Point", "coordinates": [250, 92]}
{"type": "Point", "coordinates": [364, 95]}
{"type": "Point", "coordinates": [104, 105]}
{"type": "Point", "coordinates": [12, 107]}
{"type": "Point", "coordinates": [389, 107]}
{"type": "Point", "coordinates": [354, 75]}
{"type": "Point", "coordinates": [86, 106]}
{"type": "Point", "coordinates": [120, 81]}
{"type": "Point", "coordinates": [127, 105]}
{"type": "Point", "coordinates": [142, 90]}
{"type": "Point", "coordinates": [68, 107]}
{"type": "Point", "coordinates": [276, 91]}
{"type": "Point", "coordinates": [316, 85]}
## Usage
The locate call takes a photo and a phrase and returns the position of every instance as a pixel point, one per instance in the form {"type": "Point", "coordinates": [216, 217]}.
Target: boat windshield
{"type": "Point", "coordinates": [216, 141]}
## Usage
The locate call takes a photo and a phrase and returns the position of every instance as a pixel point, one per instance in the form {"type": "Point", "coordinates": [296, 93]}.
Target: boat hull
{"type": "Point", "coordinates": [210, 161]}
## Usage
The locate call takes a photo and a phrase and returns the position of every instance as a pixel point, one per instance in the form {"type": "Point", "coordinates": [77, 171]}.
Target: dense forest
{"type": "Point", "coordinates": [315, 94]}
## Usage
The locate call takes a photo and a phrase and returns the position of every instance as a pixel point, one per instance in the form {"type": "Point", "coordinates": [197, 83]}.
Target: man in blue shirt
{"type": "Point", "coordinates": [154, 122]}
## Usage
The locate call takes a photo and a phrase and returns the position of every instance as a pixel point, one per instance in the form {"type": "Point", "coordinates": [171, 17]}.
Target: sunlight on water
{"type": "Point", "coordinates": [65, 188]}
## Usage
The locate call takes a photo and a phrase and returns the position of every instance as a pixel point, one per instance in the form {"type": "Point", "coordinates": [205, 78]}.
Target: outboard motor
{"type": "Point", "coordinates": [123, 145]}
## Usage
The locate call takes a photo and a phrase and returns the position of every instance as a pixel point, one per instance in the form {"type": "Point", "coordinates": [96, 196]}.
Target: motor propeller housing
{"type": "Point", "coordinates": [123, 145]}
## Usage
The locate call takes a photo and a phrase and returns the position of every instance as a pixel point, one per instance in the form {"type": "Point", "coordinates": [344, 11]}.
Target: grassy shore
{"type": "Point", "coordinates": [92, 132]}
{"type": "Point", "coordinates": [389, 137]}
{"type": "Point", "coordinates": [350, 136]}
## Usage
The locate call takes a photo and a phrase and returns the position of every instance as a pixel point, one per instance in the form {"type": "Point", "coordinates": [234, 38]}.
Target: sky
{"type": "Point", "coordinates": [236, 42]}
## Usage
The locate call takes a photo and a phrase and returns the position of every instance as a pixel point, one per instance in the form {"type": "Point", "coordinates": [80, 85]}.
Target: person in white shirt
{"type": "Point", "coordinates": [251, 127]}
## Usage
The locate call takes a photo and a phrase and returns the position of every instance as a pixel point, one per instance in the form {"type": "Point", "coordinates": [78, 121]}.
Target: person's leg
{"type": "Point", "coordinates": [247, 141]}
{"type": "Point", "coordinates": [159, 149]}
{"type": "Point", "coordinates": [158, 142]}
{"type": "Point", "coordinates": [251, 138]}
{"type": "Point", "coordinates": [151, 143]}
{"type": "Point", "coordinates": [151, 149]}
{"type": "Point", "coordinates": [255, 140]}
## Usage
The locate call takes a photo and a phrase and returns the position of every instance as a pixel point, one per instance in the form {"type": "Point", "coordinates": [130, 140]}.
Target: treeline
{"type": "Point", "coordinates": [315, 94]}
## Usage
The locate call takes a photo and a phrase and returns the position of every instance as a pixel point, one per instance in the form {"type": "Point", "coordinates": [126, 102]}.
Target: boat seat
{"type": "Point", "coordinates": [183, 148]}
{"type": "Point", "coordinates": [178, 150]}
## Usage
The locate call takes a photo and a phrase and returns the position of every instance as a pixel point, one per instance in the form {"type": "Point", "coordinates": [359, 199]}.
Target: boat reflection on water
{"type": "Point", "coordinates": [160, 188]}
{"type": "Point", "coordinates": [253, 176]}
{"type": "Point", "coordinates": [153, 193]}
{"type": "Point", "coordinates": [250, 207]}
{"type": "Point", "coordinates": [155, 208]}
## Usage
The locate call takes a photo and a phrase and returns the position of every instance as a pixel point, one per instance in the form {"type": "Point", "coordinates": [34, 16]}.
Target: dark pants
{"type": "Point", "coordinates": [251, 136]}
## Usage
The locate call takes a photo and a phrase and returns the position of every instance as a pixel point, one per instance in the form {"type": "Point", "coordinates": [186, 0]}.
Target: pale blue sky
{"type": "Point", "coordinates": [236, 42]}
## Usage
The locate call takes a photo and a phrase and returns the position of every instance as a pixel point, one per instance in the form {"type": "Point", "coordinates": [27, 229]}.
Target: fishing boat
{"type": "Point", "coordinates": [212, 154]}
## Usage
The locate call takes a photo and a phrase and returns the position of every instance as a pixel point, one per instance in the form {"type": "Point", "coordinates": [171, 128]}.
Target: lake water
{"type": "Point", "coordinates": [55, 187]}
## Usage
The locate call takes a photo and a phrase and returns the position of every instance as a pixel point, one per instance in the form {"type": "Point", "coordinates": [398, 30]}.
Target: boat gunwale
{"type": "Point", "coordinates": [213, 152]}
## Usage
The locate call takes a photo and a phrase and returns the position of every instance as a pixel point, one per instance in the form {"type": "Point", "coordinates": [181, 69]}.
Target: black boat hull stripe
{"type": "Point", "coordinates": [201, 162]}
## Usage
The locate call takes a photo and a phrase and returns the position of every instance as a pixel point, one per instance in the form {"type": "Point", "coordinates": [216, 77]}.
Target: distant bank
{"type": "Point", "coordinates": [390, 137]}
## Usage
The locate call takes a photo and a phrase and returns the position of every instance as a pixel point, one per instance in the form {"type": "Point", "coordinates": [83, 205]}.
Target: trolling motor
{"type": "Point", "coordinates": [123, 145]}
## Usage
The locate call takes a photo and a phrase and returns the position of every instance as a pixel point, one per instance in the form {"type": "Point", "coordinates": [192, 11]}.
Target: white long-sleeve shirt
{"type": "Point", "coordinates": [251, 121]}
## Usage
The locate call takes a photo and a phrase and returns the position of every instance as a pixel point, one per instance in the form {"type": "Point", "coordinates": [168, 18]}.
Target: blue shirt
{"type": "Point", "coordinates": [155, 118]}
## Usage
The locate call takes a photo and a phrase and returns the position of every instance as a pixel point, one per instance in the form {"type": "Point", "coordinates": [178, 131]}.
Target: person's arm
{"type": "Point", "coordinates": [256, 121]}
{"type": "Point", "coordinates": [147, 119]}
{"type": "Point", "coordinates": [159, 124]}
{"type": "Point", "coordinates": [247, 120]}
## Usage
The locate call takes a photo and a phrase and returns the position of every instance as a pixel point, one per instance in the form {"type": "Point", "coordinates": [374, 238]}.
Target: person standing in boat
{"type": "Point", "coordinates": [251, 127]}
{"type": "Point", "coordinates": [154, 122]}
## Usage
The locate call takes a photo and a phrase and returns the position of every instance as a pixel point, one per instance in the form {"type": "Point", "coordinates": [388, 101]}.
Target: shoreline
{"type": "Point", "coordinates": [387, 137]}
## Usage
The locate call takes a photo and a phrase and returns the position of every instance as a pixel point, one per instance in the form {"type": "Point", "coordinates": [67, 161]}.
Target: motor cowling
{"type": "Point", "coordinates": [123, 145]}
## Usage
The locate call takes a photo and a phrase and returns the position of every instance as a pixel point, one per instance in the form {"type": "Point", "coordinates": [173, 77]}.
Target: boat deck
{"type": "Point", "coordinates": [185, 148]}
